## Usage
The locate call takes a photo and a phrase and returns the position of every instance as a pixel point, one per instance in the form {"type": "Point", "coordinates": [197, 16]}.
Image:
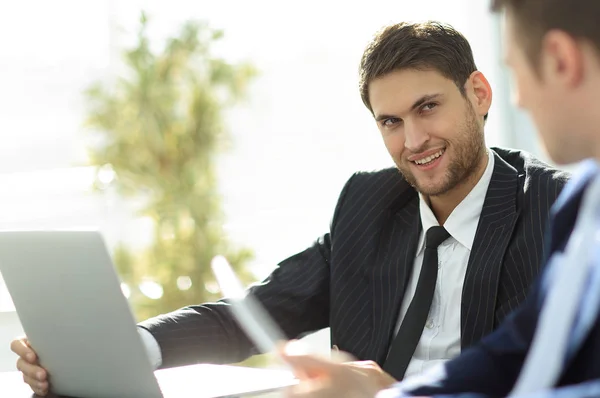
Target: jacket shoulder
{"type": "Point", "coordinates": [379, 184]}
{"type": "Point", "coordinates": [370, 190]}
{"type": "Point", "coordinates": [537, 174]}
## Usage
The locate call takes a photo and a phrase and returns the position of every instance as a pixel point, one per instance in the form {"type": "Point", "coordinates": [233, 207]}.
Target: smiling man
{"type": "Point", "coordinates": [423, 259]}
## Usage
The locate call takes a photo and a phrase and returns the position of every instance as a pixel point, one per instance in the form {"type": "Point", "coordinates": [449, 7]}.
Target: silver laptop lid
{"type": "Point", "coordinates": [68, 297]}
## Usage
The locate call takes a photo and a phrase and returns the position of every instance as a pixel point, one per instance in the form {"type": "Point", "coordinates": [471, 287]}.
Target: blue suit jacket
{"type": "Point", "coordinates": [491, 367]}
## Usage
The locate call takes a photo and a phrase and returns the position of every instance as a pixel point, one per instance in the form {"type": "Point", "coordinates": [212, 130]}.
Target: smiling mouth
{"type": "Point", "coordinates": [429, 159]}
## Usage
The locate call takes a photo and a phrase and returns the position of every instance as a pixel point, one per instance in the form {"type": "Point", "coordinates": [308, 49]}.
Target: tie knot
{"type": "Point", "coordinates": [435, 236]}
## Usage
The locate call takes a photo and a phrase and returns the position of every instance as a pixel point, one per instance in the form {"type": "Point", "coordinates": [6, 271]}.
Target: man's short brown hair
{"type": "Point", "coordinates": [534, 18]}
{"type": "Point", "coordinates": [424, 46]}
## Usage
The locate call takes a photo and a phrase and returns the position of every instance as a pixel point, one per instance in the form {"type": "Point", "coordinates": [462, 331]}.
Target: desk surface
{"type": "Point", "coordinates": [260, 382]}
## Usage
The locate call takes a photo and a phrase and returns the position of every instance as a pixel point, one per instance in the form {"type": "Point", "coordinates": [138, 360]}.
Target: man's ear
{"type": "Point", "coordinates": [561, 58]}
{"type": "Point", "coordinates": [479, 92]}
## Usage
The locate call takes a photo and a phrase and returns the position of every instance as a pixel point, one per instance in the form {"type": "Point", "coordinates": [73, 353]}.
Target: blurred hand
{"type": "Point", "coordinates": [33, 373]}
{"type": "Point", "coordinates": [372, 370]}
{"type": "Point", "coordinates": [320, 377]}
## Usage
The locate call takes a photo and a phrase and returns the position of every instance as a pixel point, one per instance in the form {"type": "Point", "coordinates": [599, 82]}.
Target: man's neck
{"type": "Point", "coordinates": [592, 121]}
{"type": "Point", "coordinates": [443, 205]}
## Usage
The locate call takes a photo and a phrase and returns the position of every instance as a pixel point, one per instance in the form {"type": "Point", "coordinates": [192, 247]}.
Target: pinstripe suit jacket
{"type": "Point", "coordinates": [353, 279]}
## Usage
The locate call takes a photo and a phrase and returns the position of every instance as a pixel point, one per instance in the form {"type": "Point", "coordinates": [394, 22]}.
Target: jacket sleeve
{"type": "Point", "coordinates": [296, 295]}
{"type": "Point", "coordinates": [590, 389]}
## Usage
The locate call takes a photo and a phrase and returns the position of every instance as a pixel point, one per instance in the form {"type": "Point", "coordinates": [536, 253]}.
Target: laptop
{"type": "Point", "coordinates": [69, 300]}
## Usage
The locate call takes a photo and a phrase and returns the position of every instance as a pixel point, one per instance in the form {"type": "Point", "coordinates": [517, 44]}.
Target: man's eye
{"type": "Point", "coordinates": [391, 121]}
{"type": "Point", "coordinates": [430, 106]}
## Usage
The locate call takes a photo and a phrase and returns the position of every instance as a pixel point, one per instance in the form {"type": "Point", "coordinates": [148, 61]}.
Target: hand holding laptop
{"type": "Point", "coordinates": [33, 373]}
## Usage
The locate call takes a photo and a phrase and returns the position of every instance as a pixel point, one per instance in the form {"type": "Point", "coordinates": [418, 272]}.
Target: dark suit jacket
{"type": "Point", "coordinates": [353, 278]}
{"type": "Point", "coordinates": [491, 368]}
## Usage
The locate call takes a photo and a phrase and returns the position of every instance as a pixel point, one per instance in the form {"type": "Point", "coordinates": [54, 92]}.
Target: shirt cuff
{"type": "Point", "coordinates": [392, 392]}
{"type": "Point", "coordinates": [152, 347]}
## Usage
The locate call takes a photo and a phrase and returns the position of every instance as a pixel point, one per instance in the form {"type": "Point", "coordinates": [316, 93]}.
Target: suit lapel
{"type": "Point", "coordinates": [389, 276]}
{"type": "Point", "coordinates": [496, 223]}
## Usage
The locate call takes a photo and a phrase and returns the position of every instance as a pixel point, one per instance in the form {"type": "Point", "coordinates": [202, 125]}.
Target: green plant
{"type": "Point", "coordinates": [160, 127]}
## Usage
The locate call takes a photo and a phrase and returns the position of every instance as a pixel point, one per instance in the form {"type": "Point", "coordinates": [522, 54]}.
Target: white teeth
{"type": "Point", "coordinates": [429, 158]}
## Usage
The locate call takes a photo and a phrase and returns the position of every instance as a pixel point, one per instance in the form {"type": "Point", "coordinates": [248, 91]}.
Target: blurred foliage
{"type": "Point", "coordinates": [160, 127]}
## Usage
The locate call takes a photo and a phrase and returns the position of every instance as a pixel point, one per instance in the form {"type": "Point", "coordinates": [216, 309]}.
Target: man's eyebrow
{"type": "Point", "coordinates": [424, 99]}
{"type": "Point", "coordinates": [383, 117]}
{"type": "Point", "coordinates": [417, 103]}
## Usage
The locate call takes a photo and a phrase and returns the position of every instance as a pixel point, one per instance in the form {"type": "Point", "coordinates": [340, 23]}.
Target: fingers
{"type": "Point", "coordinates": [305, 365]}
{"type": "Point", "coordinates": [34, 371]}
{"type": "Point", "coordinates": [39, 388]}
{"type": "Point", "coordinates": [364, 368]}
{"type": "Point", "coordinates": [310, 363]}
{"type": "Point", "coordinates": [33, 374]}
{"type": "Point", "coordinates": [365, 365]}
{"type": "Point", "coordinates": [308, 366]}
{"type": "Point", "coordinates": [313, 389]}
{"type": "Point", "coordinates": [22, 349]}
{"type": "Point", "coordinates": [341, 357]}
{"type": "Point", "coordinates": [374, 372]}
{"type": "Point", "coordinates": [320, 379]}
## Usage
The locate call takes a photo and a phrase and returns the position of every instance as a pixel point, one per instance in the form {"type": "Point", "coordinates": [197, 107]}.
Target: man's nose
{"type": "Point", "coordinates": [415, 137]}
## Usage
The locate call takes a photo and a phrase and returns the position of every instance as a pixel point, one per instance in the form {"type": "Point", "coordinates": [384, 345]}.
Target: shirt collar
{"type": "Point", "coordinates": [566, 207]}
{"type": "Point", "coordinates": [462, 222]}
{"type": "Point", "coordinates": [586, 170]}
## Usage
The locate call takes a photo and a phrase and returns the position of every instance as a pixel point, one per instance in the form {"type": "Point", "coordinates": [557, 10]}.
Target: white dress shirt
{"type": "Point", "coordinates": [152, 347]}
{"type": "Point", "coordinates": [440, 340]}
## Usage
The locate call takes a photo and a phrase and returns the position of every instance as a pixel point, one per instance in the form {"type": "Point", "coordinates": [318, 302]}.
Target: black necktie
{"type": "Point", "coordinates": [405, 343]}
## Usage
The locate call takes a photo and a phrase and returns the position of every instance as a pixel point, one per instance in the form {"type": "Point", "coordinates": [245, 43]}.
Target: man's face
{"type": "Point", "coordinates": [430, 129]}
